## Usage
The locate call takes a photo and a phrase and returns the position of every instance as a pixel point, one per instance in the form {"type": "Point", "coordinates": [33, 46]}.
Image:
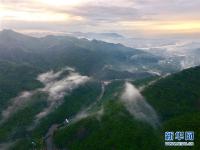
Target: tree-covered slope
{"type": "Point", "coordinates": [15, 78]}
{"type": "Point", "coordinates": [176, 98]}
{"type": "Point", "coordinates": [88, 57]}
{"type": "Point", "coordinates": [22, 128]}
{"type": "Point", "coordinates": [177, 94]}
{"type": "Point", "coordinates": [115, 128]}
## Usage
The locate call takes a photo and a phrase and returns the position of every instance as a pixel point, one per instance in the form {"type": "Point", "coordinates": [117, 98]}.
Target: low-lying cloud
{"type": "Point", "coordinates": [137, 106]}
{"type": "Point", "coordinates": [56, 85]}
{"type": "Point", "coordinates": [51, 75]}
{"type": "Point", "coordinates": [19, 101]}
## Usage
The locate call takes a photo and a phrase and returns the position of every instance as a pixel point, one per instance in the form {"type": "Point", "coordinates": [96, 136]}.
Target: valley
{"type": "Point", "coordinates": [113, 96]}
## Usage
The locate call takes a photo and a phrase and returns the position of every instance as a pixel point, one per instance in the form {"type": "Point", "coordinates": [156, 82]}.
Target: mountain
{"type": "Point", "coordinates": [15, 78]}
{"type": "Point", "coordinates": [179, 53]}
{"type": "Point", "coordinates": [175, 95]}
{"type": "Point", "coordinates": [58, 51]}
{"type": "Point", "coordinates": [20, 54]}
{"type": "Point", "coordinates": [176, 102]}
{"type": "Point", "coordinates": [66, 92]}
{"type": "Point", "coordinates": [41, 78]}
{"type": "Point", "coordinates": [114, 128]}
{"type": "Point", "coordinates": [176, 99]}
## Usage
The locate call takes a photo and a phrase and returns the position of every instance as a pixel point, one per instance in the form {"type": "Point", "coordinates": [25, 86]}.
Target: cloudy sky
{"type": "Point", "coordinates": [132, 17]}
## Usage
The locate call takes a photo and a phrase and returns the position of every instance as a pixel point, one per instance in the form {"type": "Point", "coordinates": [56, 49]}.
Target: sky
{"type": "Point", "coordinates": [127, 17]}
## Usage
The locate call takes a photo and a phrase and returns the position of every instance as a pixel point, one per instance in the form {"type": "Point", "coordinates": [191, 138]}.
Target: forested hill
{"type": "Point", "coordinates": [177, 94]}
{"type": "Point", "coordinates": [176, 99]}
{"type": "Point", "coordinates": [176, 102]}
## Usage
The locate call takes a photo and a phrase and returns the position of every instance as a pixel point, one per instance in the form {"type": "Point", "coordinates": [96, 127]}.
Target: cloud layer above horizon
{"type": "Point", "coordinates": [139, 17]}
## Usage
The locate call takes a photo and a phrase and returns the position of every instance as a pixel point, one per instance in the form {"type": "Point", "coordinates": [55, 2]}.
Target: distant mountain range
{"type": "Point", "coordinates": [90, 57]}
{"type": "Point", "coordinates": [23, 57]}
{"type": "Point", "coordinates": [183, 52]}
{"type": "Point", "coordinates": [112, 96]}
